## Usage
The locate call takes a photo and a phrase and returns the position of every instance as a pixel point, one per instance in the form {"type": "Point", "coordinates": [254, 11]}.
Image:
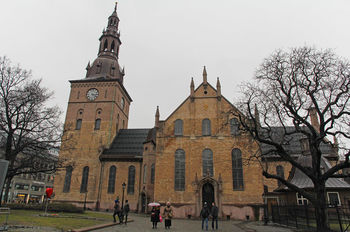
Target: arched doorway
{"type": "Point", "coordinates": [208, 194]}
{"type": "Point", "coordinates": [143, 202]}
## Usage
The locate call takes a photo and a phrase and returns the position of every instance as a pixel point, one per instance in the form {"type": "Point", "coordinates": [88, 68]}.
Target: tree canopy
{"type": "Point", "coordinates": [304, 92]}
{"type": "Point", "coordinates": [30, 130]}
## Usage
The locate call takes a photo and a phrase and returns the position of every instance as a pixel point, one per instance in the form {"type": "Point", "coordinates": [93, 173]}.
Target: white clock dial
{"type": "Point", "coordinates": [92, 94]}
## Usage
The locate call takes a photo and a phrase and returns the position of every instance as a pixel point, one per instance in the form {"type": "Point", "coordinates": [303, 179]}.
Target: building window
{"type": "Point", "coordinates": [84, 180]}
{"type": "Point", "coordinates": [301, 200]}
{"type": "Point", "coordinates": [111, 179]}
{"type": "Point", "coordinates": [144, 174]}
{"type": "Point", "coordinates": [333, 198]}
{"type": "Point", "coordinates": [131, 180]}
{"type": "Point", "coordinates": [105, 45]}
{"type": "Point", "coordinates": [36, 188]}
{"type": "Point", "coordinates": [179, 170]}
{"type": "Point", "coordinates": [234, 126]}
{"type": "Point", "coordinates": [280, 173]}
{"type": "Point", "coordinates": [122, 103]}
{"type": "Point", "coordinates": [152, 173]}
{"type": "Point", "coordinates": [67, 179]}
{"type": "Point", "coordinates": [237, 170]}
{"type": "Point", "coordinates": [207, 160]}
{"type": "Point", "coordinates": [97, 124]}
{"type": "Point", "coordinates": [21, 186]}
{"type": "Point", "coordinates": [78, 125]}
{"type": "Point", "coordinates": [178, 127]}
{"type": "Point", "coordinates": [206, 130]}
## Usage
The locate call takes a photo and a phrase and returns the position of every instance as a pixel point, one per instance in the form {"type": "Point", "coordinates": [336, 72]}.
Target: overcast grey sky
{"type": "Point", "coordinates": [166, 42]}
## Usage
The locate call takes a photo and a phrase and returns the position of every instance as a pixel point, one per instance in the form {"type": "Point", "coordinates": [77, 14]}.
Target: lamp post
{"type": "Point", "coordinates": [85, 200]}
{"type": "Point", "coordinates": [123, 185]}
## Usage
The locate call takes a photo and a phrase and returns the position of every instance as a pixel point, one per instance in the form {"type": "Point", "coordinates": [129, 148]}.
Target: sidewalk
{"type": "Point", "coordinates": [142, 223]}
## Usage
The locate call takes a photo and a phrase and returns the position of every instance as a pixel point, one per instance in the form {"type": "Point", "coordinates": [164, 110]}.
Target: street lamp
{"type": "Point", "coordinates": [85, 200]}
{"type": "Point", "coordinates": [123, 185]}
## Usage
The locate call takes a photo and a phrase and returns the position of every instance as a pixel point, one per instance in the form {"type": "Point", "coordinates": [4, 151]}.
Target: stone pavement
{"type": "Point", "coordinates": [143, 223]}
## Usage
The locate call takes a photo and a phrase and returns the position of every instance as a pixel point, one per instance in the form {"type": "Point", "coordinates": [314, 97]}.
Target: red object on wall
{"type": "Point", "coordinates": [49, 192]}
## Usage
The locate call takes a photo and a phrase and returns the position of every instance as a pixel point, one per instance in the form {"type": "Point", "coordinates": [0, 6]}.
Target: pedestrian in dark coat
{"type": "Point", "coordinates": [155, 217]}
{"type": "Point", "coordinates": [117, 211]}
{"type": "Point", "coordinates": [168, 215]}
{"type": "Point", "coordinates": [126, 210]}
{"type": "Point", "coordinates": [205, 215]}
{"type": "Point", "coordinates": [214, 215]}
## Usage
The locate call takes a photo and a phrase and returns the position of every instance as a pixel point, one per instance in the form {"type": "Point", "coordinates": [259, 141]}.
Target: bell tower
{"type": "Point", "coordinates": [98, 108]}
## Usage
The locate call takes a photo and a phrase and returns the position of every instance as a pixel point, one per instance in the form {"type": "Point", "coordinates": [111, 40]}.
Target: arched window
{"type": "Point", "coordinates": [84, 180]}
{"type": "Point", "coordinates": [280, 173]}
{"type": "Point", "coordinates": [178, 127]}
{"type": "Point", "coordinates": [152, 173]}
{"type": "Point", "coordinates": [97, 124]}
{"type": "Point", "coordinates": [78, 124]}
{"type": "Point", "coordinates": [131, 180]}
{"type": "Point", "coordinates": [206, 130]}
{"type": "Point", "coordinates": [105, 46]}
{"type": "Point", "coordinates": [112, 46]}
{"type": "Point", "coordinates": [234, 126]}
{"type": "Point", "coordinates": [237, 169]}
{"type": "Point", "coordinates": [207, 159]}
{"type": "Point", "coordinates": [144, 174]}
{"type": "Point", "coordinates": [122, 103]}
{"type": "Point", "coordinates": [179, 170]}
{"type": "Point", "coordinates": [67, 179]}
{"type": "Point", "coordinates": [111, 179]}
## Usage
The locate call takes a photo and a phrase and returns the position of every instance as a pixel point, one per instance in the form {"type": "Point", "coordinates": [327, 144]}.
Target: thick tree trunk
{"type": "Point", "coordinates": [7, 189]}
{"type": "Point", "coordinates": [2, 190]}
{"type": "Point", "coordinates": [321, 210]}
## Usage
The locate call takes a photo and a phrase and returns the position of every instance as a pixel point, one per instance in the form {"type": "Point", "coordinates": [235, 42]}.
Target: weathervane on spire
{"type": "Point", "coordinates": [115, 8]}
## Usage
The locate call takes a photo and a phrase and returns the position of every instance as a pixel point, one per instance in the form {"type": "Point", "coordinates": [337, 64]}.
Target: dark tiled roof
{"type": "Point", "coordinates": [127, 144]}
{"type": "Point", "coordinates": [299, 179]}
{"type": "Point", "coordinates": [291, 143]}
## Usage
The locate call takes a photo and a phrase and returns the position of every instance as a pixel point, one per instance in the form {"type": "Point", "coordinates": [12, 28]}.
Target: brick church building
{"type": "Point", "coordinates": [194, 155]}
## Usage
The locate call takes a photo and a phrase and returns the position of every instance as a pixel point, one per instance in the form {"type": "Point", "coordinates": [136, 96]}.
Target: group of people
{"type": "Point", "coordinates": [206, 213]}
{"type": "Point", "coordinates": [121, 211]}
{"type": "Point", "coordinates": [167, 216]}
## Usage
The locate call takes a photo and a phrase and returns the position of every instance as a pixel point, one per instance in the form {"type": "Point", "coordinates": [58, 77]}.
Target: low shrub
{"type": "Point", "coordinates": [52, 207]}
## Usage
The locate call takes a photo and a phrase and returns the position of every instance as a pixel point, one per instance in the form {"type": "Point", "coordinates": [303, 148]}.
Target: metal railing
{"type": "Point", "coordinates": [303, 216]}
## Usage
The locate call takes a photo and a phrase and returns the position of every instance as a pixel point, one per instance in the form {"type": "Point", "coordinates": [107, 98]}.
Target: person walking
{"type": "Point", "coordinates": [155, 216]}
{"type": "Point", "coordinates": [126, 210]}
{"type": "Point", "coordinates": [214, 214]}
{"type": "Point", "coordinates": [168, 215]}
{"type": "Point", "coordinates": [205, 215]}
{"type": "Point", "coordinates": [116, 210]}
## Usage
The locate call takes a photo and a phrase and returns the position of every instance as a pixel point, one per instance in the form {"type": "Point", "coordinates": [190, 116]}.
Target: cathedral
{"type": "Point", "coordinates": [194, 155]}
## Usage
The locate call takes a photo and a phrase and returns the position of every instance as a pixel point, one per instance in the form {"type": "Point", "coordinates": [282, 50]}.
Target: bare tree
{"type": "Point", "coordinates": [29, 129]}
{"type": "Point", "coordinates": [287, 85]}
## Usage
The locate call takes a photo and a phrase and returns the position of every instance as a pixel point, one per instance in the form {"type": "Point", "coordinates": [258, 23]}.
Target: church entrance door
{"type": "Point", "coordinates": [208, 194]}
{"type": "Point", "coordinates": [143, 203]}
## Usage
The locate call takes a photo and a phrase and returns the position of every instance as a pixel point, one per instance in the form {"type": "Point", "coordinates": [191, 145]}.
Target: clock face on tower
{"type": "Point", "coordinates": [92, 94]}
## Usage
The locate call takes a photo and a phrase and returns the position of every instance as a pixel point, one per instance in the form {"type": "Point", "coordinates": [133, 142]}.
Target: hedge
{"type": "Point", "coordinates": [52, 207]}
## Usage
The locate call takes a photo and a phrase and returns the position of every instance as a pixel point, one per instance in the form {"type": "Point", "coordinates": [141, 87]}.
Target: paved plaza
{"type": "Point", "coordinates": [143, 223]}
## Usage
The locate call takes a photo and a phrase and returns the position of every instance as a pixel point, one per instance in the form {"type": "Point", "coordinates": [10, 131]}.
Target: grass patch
{"type": "Point", "coordinates": [67, 222]}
